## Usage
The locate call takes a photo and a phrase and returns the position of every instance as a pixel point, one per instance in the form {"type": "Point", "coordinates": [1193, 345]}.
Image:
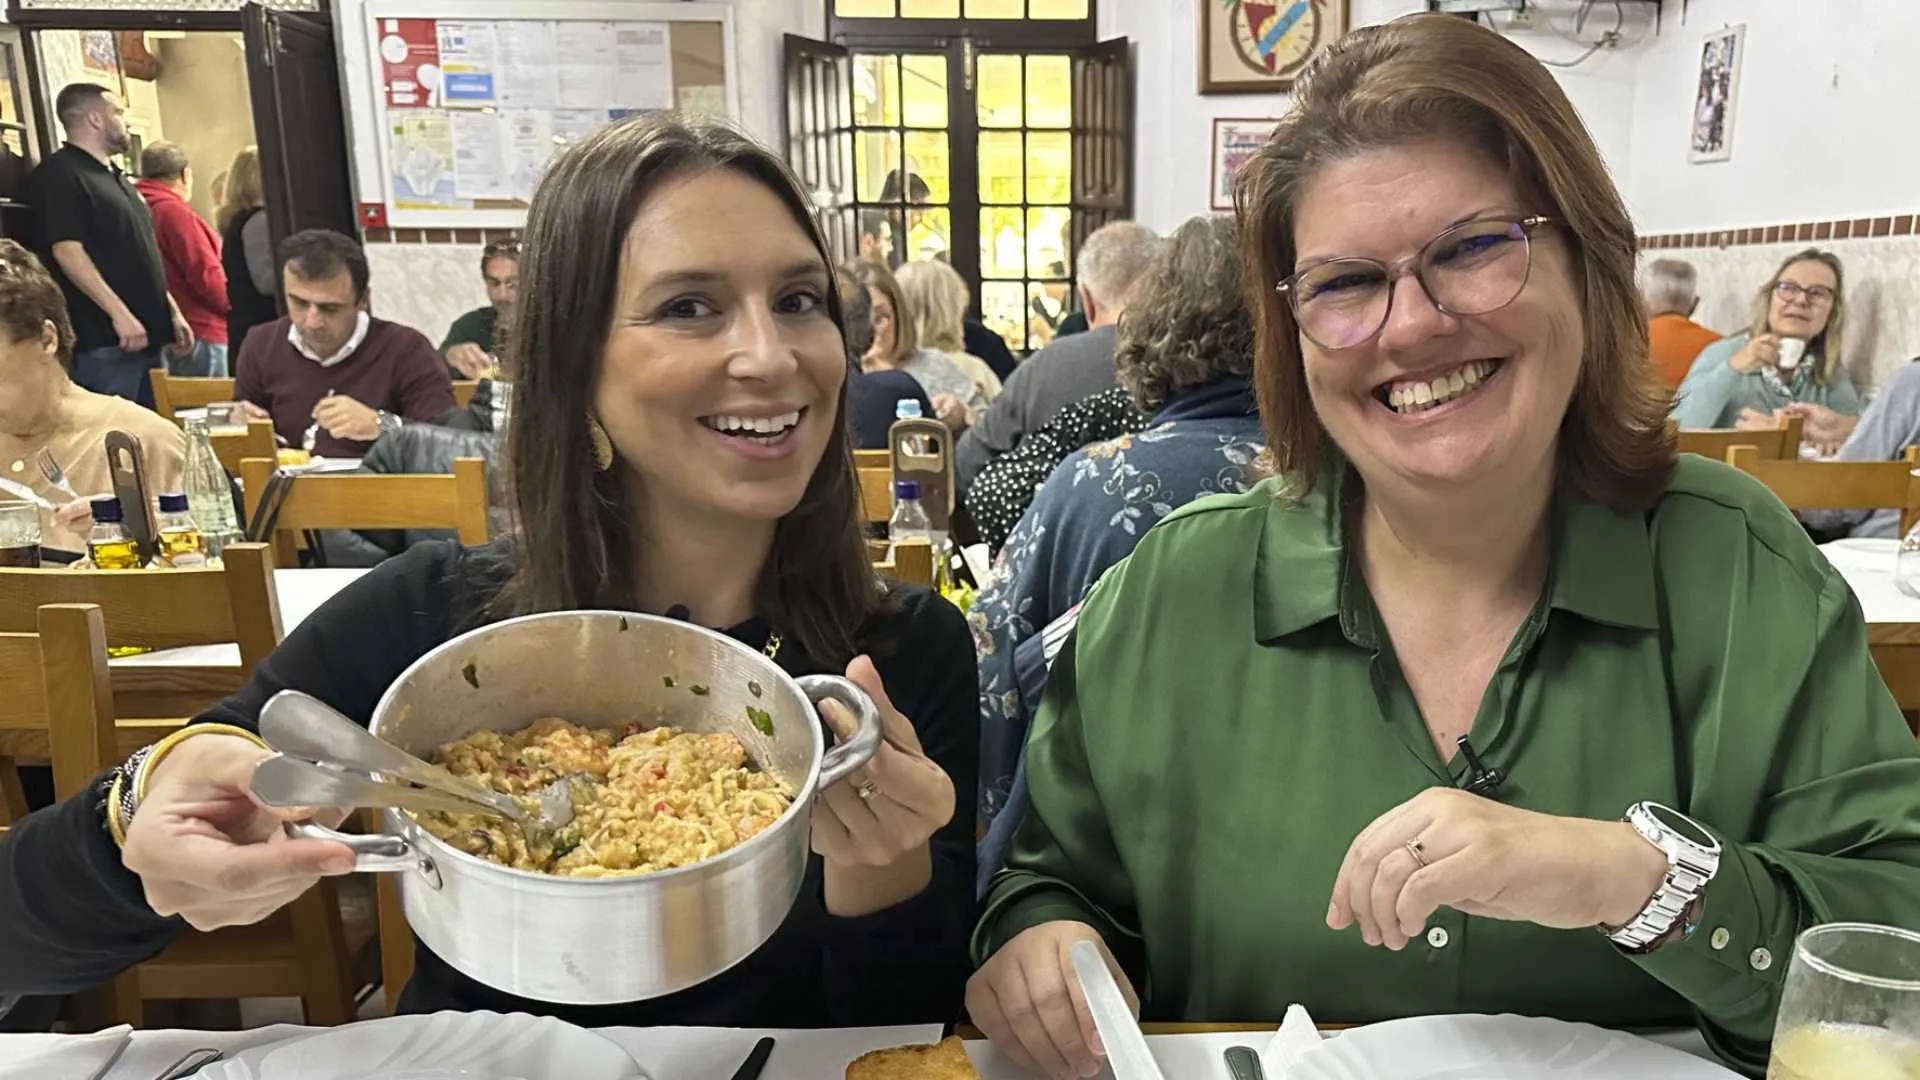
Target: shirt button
{"type": "Point", "coordinates": [1437, 937]}
{"type": "Point", "coordinates": [1761, 959]}
{"type": "Point", "coordinates": [1720, 939]}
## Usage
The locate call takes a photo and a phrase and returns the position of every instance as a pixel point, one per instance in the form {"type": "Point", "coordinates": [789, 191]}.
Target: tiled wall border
{"type": "Point", "coordinates": [1801, 232]}
{"type": "Point", "coordinates": [438, 236]}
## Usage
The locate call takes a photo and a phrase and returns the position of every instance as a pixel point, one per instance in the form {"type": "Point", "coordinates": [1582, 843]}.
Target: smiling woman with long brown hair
{"type": "Point", "coordinates": [676, 446]}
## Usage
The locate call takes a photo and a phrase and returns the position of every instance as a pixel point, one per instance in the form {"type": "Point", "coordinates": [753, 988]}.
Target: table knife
{"type": "Point", "coordinates": [751, 1068]}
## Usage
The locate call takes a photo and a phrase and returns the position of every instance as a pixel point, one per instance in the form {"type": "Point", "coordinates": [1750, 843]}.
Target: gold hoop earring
{"type": "Point", "coordinates": [602, 446]}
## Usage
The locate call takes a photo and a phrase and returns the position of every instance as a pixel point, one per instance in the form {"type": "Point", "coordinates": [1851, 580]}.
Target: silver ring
{"type": "Point", "coordinates": [1419, 852]}
{"type": "Point", "coordinates": [867, 790]}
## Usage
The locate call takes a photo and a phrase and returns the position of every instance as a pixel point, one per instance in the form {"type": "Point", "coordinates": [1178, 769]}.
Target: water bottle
{"type": "Point", "coordinates": [906, 409]}
{"type": "Point", "coordinates": [909, 521]}
{"type": "Point", "coordinates": [909, 409]}
{"type": "Point", "coordinates": [209, 493]}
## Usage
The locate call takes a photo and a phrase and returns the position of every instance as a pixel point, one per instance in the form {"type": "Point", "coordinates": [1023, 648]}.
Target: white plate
{"type": "Point", "coordinates": [443, 1046]}
{"type": "Point", "coordinates": [1496, 1048]}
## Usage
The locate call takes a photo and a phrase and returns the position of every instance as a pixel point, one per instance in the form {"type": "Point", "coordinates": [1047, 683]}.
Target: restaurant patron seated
{"type": "Point", "coordinates": [1681, 753]}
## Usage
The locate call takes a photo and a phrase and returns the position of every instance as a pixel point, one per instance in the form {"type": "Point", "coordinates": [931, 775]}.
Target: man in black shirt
{"type": "Point", "coordinates": [101, 248]}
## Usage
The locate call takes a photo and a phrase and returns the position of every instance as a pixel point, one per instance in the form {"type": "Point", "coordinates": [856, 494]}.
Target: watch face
{"type": "Point", "coordinates": [1683, 826]}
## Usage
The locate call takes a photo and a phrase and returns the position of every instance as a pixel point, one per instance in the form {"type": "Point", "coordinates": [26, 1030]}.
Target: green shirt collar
{"type": "Point", "coordinates": [1602, 567]}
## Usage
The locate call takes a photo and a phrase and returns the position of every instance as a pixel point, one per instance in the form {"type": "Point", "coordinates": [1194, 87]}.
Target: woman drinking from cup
{"type": "Point", "coordinates": [675, 446]}
{"type": "Point", "coordinates": [1788, 360]}
{"type": "Point", "coordinates": [1487, 703]}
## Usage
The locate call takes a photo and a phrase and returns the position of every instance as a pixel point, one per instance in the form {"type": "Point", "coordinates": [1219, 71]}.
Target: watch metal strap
{"type": "Point", "coordinates": [1689, 869]}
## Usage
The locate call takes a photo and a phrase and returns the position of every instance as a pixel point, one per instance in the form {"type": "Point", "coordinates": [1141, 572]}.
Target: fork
{"type": "Point", "coordinates": [57, 476]}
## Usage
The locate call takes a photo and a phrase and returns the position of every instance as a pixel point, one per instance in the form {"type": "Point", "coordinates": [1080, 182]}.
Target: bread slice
{"type": "Point", "coordinates": [945, 1060]}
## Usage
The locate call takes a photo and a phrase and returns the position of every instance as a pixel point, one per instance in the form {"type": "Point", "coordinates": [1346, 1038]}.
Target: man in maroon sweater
{"type": "Point", "coordinates": [331, 376]}
{"type": "Point", "coordinates": [190, 256]}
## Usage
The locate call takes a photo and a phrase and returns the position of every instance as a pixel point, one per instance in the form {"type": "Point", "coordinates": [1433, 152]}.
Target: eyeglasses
{"type": "Point", "coordinates": [1471, 269]}
{"type": "Point", "coordinates": [1814, 295]}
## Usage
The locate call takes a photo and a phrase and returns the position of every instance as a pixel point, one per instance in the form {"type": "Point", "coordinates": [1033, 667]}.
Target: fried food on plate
{"type": "Point", "coordinates": [945, 1060]}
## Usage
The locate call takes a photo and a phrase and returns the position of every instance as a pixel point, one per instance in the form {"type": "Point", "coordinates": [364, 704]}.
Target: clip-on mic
{"type": "Point", "coordinates": [1480, 780]}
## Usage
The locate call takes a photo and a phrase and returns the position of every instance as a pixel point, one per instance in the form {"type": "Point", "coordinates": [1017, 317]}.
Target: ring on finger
{"type": "Point", "coordinates": [1419, 852]}
{"type": "Point", "coordinates": [867, 791]}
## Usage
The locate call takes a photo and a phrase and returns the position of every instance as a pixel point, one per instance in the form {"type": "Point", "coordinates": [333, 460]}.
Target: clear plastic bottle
{"type": "Point", "coordinates": [909, 521]}
{"type": "Point", "coordinates": [209, 493]}
{"type": "Point", "coordinates": [907, 408]}
{"type": "Point", "coordinates": [109, 545]}
{"type": "Point", "coordinates": [177, 538]}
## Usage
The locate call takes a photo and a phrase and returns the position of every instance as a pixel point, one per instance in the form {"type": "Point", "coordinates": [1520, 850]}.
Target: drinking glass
{"type": "Point", "coordinates": [19, 534]}
{"type": "Point", "coordinates": [1850, 1009]}
{"type": "Point", "coordinates": [1906, 561]}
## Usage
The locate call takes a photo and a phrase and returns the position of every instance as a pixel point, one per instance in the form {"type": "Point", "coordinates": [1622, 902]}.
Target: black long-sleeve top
{"type": "Point", "coordinates": [72, 916]}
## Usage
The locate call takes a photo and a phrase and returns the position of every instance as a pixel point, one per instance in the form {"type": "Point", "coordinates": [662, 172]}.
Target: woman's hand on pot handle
{"type": "Point", "coordinates": [206, 851]}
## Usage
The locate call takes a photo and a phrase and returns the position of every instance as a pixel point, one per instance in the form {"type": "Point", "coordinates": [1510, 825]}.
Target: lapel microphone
{"type": "Point", "coordinates": [1480, 780]}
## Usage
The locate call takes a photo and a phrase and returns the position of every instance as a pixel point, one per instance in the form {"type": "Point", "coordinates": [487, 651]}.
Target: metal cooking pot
{"type": "Point", "coordinates": [596, 941]}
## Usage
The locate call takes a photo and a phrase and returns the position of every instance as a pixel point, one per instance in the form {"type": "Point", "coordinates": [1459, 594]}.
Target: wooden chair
{"type": "Point", "coordinates": [1838, 485]}
{"type": "Point", "coordinates": [910, 562]}
{"type": "Point", "coordinates": [463, 391]}
{"type": "Point", "coordinates": [368, 501]}
{"type": "Point", "coordinates": [234, 447]}
{"type": "Point", "coordinates": [171, 393]}
{"type": "Point", "coordinates": [876, 492]}
{"type": "Point", "coordinates": [309, 949]}
{"type": "Point", "coordinates": [1773, 444]}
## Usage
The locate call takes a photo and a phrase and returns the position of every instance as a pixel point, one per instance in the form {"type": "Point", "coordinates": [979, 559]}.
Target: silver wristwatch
{"type": "Point", "coordinates": [1693, 857]}
{"type": "Point", "coordinates": [388, 421]}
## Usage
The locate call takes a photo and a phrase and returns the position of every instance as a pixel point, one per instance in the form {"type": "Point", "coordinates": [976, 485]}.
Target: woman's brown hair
{"type": "Point", "coordinates": [30, 302]}
{"type": "Point", "coordinates": [881, 280]}
{"type": "Point", "coordinates": [1187, 324]}
{"type": "Point", "coordinates": [1441, 77]}
{"type": "Point", "coordinates": [245, 188]}
{"type": "Point", "coordinates": [1826, 343]}
{"type": "Point", "coordinates": [575, 525]}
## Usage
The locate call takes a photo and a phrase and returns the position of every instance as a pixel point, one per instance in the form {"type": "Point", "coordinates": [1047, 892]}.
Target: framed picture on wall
{"type": "Point", "coordinates": [1716, 95]}
{"type": "Point", "coordinates": [1261, 46]}
{"type": "Point", "coordinates": [1235, 141]}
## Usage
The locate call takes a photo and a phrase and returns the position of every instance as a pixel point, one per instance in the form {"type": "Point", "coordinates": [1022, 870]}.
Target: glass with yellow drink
{"type": "Point", "coordinates": [1851, 1006]}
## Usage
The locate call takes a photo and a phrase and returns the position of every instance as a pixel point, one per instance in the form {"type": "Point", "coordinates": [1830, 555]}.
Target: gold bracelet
{"type": "Point", "coordinates": [115, 827]}
{"type": "Point", "coordinates": [166, 746]}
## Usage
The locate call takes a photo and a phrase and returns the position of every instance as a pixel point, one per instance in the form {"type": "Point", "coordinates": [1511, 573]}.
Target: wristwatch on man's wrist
{"type": "Point", "coordinates": [1693, 857]}
{"type": "Point", "coordinates": [388, 421]}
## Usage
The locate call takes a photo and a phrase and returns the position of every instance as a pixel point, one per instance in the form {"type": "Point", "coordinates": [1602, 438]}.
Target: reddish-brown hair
{"type": "Point", "coordinates": [1438, 76]}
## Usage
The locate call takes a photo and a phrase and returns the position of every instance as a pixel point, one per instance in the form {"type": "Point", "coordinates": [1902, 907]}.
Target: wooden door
{"type": "Point", "coordinates": [299, 121]}
{"type": "Point", "coordinates": [819, 135]}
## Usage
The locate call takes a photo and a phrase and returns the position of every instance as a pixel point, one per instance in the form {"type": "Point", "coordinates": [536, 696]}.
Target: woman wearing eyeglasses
{"type": "Point", "coordinates": [1788, 361]}
{"type": "Point", "coordinates": [1678, 752]}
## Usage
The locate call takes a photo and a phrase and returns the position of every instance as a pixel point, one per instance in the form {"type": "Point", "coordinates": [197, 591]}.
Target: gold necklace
{"type": "Point", "coordinates": [772, 648]}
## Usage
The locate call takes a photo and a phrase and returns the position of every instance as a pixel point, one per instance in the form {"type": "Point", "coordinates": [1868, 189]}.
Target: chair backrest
{"type": "Point", "coordinates": [160, 609]}
{"type": "Point", "coordinates": [58, 702]}
{"type": "Point", "coordinates": [1838, 485]}
{"type": "Point", "coordinates": [372, 501]}
{"type": "Point", "coordinates": [234, 447]}
{"type": "Point", "coordinates": [876, 492]}
{"type": "Point", "coordinates": [170, 393]}
{"type": "Point", "coordinates": [463, 391]}
{"type": "Point", "coordinates": [1773, 444]}
{"type": "Point", "coordinates": [911, 561]}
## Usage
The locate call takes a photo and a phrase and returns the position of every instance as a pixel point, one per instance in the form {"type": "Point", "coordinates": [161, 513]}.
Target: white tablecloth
{"type": "Point", "coordinates": [714, 1053]}
{"type": "Point", "coordinates": [1868, 567]}
{"type": "Point", "coordinates": [300, 592]}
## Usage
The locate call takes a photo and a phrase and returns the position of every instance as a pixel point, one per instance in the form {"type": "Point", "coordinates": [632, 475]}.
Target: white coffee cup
{"type": "Point", "coordinates": [1791, 350]}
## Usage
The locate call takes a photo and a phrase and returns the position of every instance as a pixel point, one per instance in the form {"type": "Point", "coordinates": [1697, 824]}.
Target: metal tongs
{"type": "Point", "coordinates": [325, 759]}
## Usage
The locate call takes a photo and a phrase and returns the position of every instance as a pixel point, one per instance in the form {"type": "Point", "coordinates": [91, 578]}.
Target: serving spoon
{"type": "Point", "coordinates": [347, 765]}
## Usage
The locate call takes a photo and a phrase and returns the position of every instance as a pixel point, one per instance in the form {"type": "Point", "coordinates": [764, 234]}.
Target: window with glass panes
{"type": "Point", "coordinates": [963, 145]}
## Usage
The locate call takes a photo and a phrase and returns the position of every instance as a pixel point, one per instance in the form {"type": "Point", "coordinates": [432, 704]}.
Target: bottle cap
{"type": "Point", "coordinates": [173, 503]}
{"type": "Point", "coordinates": [106, 508]}
{"type": "Point", "coordinates": [906, 489]}
{"type": "Point", "coordinates": [906, 409]}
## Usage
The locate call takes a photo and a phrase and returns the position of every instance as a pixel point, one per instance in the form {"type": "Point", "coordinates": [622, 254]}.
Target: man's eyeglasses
{"type": "Point", "coordinates": [1472, 268]}
{"type": "Point", "coordinates": [1815, 295]}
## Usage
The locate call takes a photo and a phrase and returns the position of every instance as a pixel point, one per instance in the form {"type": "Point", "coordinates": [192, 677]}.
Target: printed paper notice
{"type": "Point", "coordinates": [530, 145]}
{"type": "Point", "coordinates": [572, 125]}
{"type": "Point", "coordinates": [479, 156]}
{"type": "Point", "coordinates": [409, 61]}
{"type": "Point", "coordinates": [467, 62]}
{"type": "Point", "coordinates": [643, 73]}
{"type": "Point", "coordinates": [586, 76]}
{"type": "Point", "coordinates": [709, 100]}
{"type": "Point", "coordinates": [422, 160]}
{"type": "Point", "coordinates": [527, 69]}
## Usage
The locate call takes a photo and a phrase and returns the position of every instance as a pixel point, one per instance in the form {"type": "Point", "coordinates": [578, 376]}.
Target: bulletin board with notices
{"type": "Point", "coordinates": [474, 98]}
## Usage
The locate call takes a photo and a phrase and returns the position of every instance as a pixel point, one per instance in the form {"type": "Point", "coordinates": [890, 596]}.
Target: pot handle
{"type": "Point", "coordinates": [849, 755]}
{"type": "Point", "coordinates": [372, 853]}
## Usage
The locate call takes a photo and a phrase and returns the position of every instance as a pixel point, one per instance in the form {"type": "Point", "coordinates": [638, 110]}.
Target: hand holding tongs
{"type": "Point", "coordinates": [326, 759]}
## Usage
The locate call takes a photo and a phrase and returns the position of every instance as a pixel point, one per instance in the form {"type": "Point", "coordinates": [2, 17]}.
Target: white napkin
{"type": "Point", "coordinates": [1296, 1036]}
{"type": "Point", "coordinates": [61, 1057]}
